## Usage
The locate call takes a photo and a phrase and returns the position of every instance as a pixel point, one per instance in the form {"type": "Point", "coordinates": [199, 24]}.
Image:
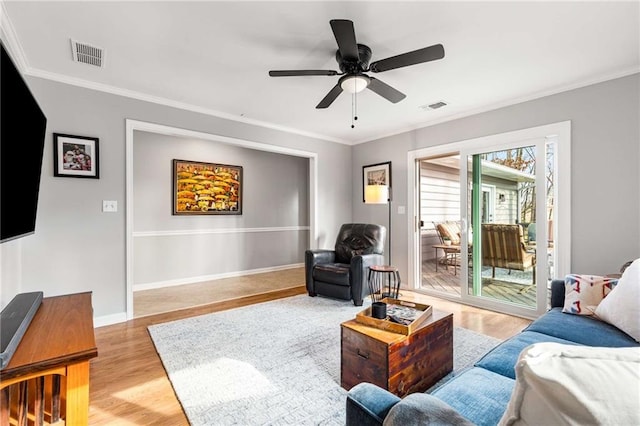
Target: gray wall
{"type": "Point", "coordinates": [605, 177]}
{"type": "Point", "coordinates": [275, 195]}
{"type": "Point", "coordinates": [78, 248]}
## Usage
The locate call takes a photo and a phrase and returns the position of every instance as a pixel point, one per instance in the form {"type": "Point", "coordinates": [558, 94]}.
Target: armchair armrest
{"type": "Point", "coordinates": [313, 258]}
{"type": "Point", "coordinates": [366, 260]}
{"type": "Point", "coordinates": [359, 273]}
{"type": "Point", "coordinates": [317, 256]}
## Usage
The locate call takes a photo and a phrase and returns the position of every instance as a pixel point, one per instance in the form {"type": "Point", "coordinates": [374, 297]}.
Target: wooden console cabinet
{"type": "Point", "coordinates": [396, 362]}
{"type": "Point", "coordinates": [47, 379]}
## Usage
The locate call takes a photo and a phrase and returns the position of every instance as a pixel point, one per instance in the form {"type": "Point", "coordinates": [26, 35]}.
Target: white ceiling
{"type": "Point", "coordinates": [215, 56]}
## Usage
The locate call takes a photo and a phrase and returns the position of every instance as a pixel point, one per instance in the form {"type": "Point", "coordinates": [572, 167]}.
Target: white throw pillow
{"type": "Point", "coordinates": [575, 385]}
{"type": "Point", "coordinates": [621, 307]}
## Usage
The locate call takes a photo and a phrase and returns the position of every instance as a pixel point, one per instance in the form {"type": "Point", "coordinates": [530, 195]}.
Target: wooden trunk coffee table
{"type": "Point", "coordinates": [398, 363]}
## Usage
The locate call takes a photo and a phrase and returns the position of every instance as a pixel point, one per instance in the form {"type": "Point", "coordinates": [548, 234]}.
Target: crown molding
{"type": "Point", "coordinates": [11, 42]}
{"type": "Point", "coordinates": [509, 102]}
{"type": "Point", "coordinates": [60, 78]}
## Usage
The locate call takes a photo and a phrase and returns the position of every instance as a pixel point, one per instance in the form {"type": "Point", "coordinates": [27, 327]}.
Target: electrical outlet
{"type": "Point", "coordinates": [109, 206]}
{"type": "Point", "coordinates": [401, 210]}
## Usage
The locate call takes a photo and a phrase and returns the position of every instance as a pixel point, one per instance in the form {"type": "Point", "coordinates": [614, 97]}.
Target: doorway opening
{"type": "Point", "coordinates": [155, 251]}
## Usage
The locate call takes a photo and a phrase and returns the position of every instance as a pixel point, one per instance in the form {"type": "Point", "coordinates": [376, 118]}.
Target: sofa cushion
{"type": "Point", "coordinates": [583, 293]}
{"type": "Point", "coordinates": [580, 385]}
{"type": "Point", "coordinates": [621, 308]}
{"type": "Point", "coordinates": [502, 359]}
{"type": "Point", "coordinates": [333, 273]}
{"type": "Point", "coordinates": [480, 395]}
{"type": "Point", "coordinates": [585, 330]}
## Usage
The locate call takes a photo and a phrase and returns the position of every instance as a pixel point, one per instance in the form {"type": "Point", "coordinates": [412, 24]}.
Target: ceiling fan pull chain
{"type": "Point", "coordinates": [354, 108]}
{"type": "Point", "coordinates": [355, 114]}
{"type": "Point", "coordinates": [353, 100]}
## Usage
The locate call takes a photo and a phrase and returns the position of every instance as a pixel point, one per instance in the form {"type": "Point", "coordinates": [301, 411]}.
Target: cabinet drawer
{"type": "Point", "coordinates": [362, 360]}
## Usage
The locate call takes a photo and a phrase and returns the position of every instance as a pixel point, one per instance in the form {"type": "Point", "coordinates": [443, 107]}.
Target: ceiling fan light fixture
{"type": "Point", "coordinates": [353, 60]}
{"type": "Point", "coordinates": [354, 83]}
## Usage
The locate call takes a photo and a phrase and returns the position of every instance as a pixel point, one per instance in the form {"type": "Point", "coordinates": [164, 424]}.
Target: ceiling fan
{"type": "Point", "coordinates": [353, 60]}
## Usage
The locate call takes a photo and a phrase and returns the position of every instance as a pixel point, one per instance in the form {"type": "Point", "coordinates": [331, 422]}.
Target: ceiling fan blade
{"type": "Point", "coordinates": [346, 38]}
{"type": "Point", "coordinates": [331, 96]}
{"type": "Point", "coordinates": [386, 91]}
{"type": "Point", "coordinates": [419, 56]}
{"type": "Point", "coordinates": [296, 73]}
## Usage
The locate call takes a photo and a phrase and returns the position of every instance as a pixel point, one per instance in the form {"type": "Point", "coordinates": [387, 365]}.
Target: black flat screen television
{"type": "Point", "coordinates": [22, 136]}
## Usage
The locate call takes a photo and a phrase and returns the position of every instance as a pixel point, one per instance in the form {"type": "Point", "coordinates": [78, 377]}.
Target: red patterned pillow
{"type": "Point", "coordinates": [583, 293]}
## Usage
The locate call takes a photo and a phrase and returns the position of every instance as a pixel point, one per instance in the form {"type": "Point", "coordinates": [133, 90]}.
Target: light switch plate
{"type": "Point", "coordinates": [401, 210]}
{"type": "Point", "coordinates": [109, 206]}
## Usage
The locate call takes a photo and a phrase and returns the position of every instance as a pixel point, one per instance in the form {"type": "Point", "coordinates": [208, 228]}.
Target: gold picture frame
{"type": "Point", "coordinates": [201, 188]}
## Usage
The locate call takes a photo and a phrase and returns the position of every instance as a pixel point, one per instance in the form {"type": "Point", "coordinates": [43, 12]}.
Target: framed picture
{"type": "Point", "coordinates": [376, 174]}
{"type": "Point", "coordinates": [206, 188]}
{"type": "Point", "coordinates": [75, 156]}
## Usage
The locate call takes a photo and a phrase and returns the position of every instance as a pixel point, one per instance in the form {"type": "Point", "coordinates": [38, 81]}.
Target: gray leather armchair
{"type": "Point", "coordinates": [342, 273]}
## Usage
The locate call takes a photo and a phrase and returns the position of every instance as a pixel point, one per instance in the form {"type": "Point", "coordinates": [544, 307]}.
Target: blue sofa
{"type": "Point", "coordinates": [480, 394]}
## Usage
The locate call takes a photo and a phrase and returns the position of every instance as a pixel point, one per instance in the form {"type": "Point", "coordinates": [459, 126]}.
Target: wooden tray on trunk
{"type": "Point", "coordinates": [420, 314]}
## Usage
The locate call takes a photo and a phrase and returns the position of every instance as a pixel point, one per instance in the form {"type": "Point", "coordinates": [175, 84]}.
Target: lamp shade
{"type": "Point", "coordinates": [376, 194]}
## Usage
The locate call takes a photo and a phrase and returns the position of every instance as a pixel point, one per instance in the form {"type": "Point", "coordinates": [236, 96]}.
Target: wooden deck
{"type": "Point", "coordinates": [444, 281]}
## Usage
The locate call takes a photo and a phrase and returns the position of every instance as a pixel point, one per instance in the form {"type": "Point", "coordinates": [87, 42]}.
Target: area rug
{"type": "Point", "coordinates": [273, 363]}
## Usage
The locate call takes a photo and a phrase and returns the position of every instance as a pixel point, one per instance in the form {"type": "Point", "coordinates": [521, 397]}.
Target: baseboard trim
{"type": "Point", "coordinates": [109, 319]}
{"type": "Point", "coordinates": [192, 280]}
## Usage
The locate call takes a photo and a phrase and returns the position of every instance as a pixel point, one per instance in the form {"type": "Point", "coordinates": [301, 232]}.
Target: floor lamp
{"type": "Point", "coordinates": [379, 194]}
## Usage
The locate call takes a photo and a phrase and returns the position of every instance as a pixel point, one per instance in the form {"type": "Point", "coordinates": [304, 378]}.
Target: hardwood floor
{"type": "Point", "coordinates": [128, 382]}
{"type": "Point", "coordinates": [167, 299]}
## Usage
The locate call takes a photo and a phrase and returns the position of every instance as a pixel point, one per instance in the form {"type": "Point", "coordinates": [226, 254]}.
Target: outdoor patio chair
{"type": "Point", "coordinates": [503, 246]}
{"type": "Point", "coordinates": [449, 230]}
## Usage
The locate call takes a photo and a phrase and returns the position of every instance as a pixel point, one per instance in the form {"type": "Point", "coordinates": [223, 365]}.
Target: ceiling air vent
{"type": "Point", "coordinates": [87, 54]}
{"type": "Point", "coordinates": [433, 106]}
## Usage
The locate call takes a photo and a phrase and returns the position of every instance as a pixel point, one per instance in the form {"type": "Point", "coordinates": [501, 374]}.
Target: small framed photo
{"type": "Point", "coordinates": [376, 174]}
{"type": "Point", "coordinates": [206, 188]}
{"type": "Point", "coordinates": [75, 156]}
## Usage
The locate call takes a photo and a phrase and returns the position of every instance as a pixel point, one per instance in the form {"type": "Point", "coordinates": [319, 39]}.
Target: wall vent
{"type": "Point", "coordinates": [87, 54]}
{"type": "Point", "coordinates": [433, 106]}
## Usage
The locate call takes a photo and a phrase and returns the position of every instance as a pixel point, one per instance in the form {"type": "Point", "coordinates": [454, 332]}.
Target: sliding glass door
{"type": "Point", "coordinates": [509, 201]}
{"type": "Point", "coordinates": [487, 216]}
